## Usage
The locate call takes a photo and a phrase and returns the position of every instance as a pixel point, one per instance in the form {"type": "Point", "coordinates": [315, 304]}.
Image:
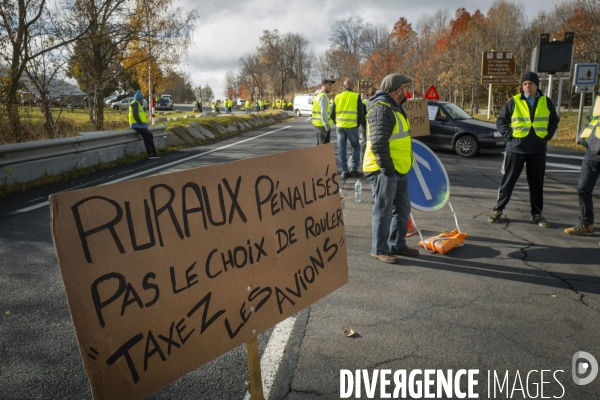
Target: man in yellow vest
{"type": "Point", "coordinates": [347, 113]}
{"type": "Point", "coordinates": [247, 105]}
{"type": "Point", "coordinates": [589, 137]}
{"type": "Point", "coordinates": [139, 123]}
{"type": "Point", "coordinates": [527, 122]}
{"type": "Point", "coordinates": [321, 111]}
{"type": "Point", "coordinates": [388, 158]}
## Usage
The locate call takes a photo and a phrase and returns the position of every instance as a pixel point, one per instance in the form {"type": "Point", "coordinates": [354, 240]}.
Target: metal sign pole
{"type": "Point", "coordinates": [581, 98]}
{"type": "Point", "coordinates": [489, 101]}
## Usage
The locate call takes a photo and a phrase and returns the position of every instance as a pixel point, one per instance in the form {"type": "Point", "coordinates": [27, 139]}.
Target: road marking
{"type": "Point", "coordinates": [308, 119]}
{"type": "Point", "coordinates": [559, 156]}
{"type": "Point", "coordinates": [40, 205]}
{"type": "Point", "coordinates": [271, 358]}
{"type": "Point", "coordinates": [566, 166]}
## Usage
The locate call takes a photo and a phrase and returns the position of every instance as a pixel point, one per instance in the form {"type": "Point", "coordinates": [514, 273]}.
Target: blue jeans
{"type": "Point", "coordinates": [390, 212]}
{"type": "Point", "coordinates": [590, 170]}
{"type": "Point", "coordinates": [352, 135]}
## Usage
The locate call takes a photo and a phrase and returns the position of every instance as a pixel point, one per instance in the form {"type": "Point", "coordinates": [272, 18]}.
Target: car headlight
{"type": "Point", "coordinates": [497, 134]}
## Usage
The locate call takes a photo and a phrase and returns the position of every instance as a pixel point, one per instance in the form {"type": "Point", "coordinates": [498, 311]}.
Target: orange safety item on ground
{"type": "Point", "coordinates": [412, 230]}
{"type": "Point", "coordinates": [444, 242]}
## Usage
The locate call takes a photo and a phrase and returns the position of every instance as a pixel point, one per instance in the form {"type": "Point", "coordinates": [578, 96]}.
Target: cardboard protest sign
{"type": "Point", "coordinates": [165, 273]}
{"type": "Point", "coordinates": [418, 116]}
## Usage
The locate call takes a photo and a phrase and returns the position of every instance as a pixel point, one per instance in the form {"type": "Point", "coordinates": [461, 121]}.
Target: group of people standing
{"type": "Point", "coordinates": [527, 122]}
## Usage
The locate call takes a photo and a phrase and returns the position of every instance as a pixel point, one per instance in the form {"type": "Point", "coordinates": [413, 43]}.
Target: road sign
{"type": "Point", "coordinates": [363, 86]}
{"type": "Point", "coordinates": [428, 183]}
{"type": "Point", "coordinates": [497, 63]}
{"type": "Point", "coordinates": [584, 89]}
{"type": "Point", "coordinates": [432, 94]}
{"type": "Point", "coordinates": [503, 80]}
{"type": "Point", "coordinates": [585, 74]}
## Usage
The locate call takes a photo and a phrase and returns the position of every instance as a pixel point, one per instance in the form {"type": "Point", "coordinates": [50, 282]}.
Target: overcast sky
{"type": "Point", "coordinates": [229, 29]}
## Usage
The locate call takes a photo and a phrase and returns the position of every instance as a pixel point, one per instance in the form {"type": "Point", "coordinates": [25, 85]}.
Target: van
{"type": "Point", "coordinates": [241, 102]}
{"type": "Point", "coordinates": [303, 104]}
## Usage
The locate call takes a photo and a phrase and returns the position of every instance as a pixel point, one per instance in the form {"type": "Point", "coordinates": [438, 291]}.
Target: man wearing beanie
{"type": "Point", "coordinates": [388, 158]}
{"type": "Point", "coordinates": [139, 123]}
{"type": "Point", "coordinates": [527, 122]}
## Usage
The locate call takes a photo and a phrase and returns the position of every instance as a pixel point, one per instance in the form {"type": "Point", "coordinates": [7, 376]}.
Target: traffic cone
{"type": "Point", "coordinates": [412, 230]}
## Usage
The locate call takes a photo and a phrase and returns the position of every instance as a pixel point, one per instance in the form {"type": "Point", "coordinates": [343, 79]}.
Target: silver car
{"type": "Point", "coordinates": [123, 105]}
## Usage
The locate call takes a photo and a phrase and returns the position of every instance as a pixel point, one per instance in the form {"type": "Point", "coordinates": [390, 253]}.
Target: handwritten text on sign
{"type": "Point", "coordinates": [164, 274]}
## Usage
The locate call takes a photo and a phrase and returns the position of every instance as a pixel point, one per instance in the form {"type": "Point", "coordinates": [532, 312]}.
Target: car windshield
{"type": "Point", "coordinates": [455, 111]}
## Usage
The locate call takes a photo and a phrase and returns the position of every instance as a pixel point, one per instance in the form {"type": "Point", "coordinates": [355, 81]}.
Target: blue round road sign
{"type": "Point", "coordinates": [428, 183]}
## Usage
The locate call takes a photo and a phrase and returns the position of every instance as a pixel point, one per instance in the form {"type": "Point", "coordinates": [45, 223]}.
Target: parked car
{"type": "Point", "coordinates": [240, 102]}
{"type": "Point", "coordinates": [452, 128]}
{"type": "Point", "coordinates": [164, 104]}
{"type": "Point", "coordinates": [303, 104]}
{"type": "Point", "coordinates": [169, 98]}
{"type": "Point", "coordinates": [123, 105]}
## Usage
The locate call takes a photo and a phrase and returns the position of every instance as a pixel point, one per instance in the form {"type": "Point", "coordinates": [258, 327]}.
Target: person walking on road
{"type": "Point", "coordinates": [321, 111]}
{"type": "Point", "coordinates": [247, 105]}
{"type": "Point", "coordinates": [347, 113]}
{"type": "Point", "coordinates": [139, 123]}
{"type": "Point", "coordinates": [589, 137]}
{"type": "Point", "coordinates": [527, 122]}
{"type": "Point", "coordinates": [388, 158]}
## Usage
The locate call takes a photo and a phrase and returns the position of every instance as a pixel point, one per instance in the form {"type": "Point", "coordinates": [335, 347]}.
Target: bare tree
{"type": "Point", "coordinates": [20, 22]}
{"type": "Point", "coordinates": [96, 60]}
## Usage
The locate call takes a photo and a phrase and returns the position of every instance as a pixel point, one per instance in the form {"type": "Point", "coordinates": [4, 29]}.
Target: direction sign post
{"type": "Point", "coordinates": [584, 80]}
{"type": "Point", "coordinates": [497, 67]}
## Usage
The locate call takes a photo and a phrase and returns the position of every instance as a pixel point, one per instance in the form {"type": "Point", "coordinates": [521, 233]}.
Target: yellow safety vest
{"type": "Point", "coordinates": [141, 113]}
{"type": "Point", "coordinates": [247, 104]}
{"type": "Point", "coordinates": [316, 110]}
{"type": "Point", "coordinates": [400, 145]}
{"type": "Point", "coordinates": [521, 118]}
{"type": "Point", "coordinates": [346, 109]}
{"type": "Point", "coordinates": [591, 127]}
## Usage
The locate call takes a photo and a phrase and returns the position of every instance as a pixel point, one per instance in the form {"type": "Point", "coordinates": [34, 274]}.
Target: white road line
{"type": "Point", "coordinates": [271, 358]}
{"type": "Point", "coordinates": [566, 166]}
{"type": "Point", "coordinates": [146, 171]}
{"type": "Point", "coordinates": [559, 156]}
{"type": "Point", "coordinates": [308, 119]}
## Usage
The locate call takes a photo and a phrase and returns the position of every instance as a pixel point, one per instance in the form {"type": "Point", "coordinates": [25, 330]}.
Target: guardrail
{"type": "Point", "coordinates": [23, 162]}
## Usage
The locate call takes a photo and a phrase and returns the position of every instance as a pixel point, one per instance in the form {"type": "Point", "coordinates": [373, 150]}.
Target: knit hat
{"type": "Point", "coordinates": [393, 82]}
{"type": "Point", "coordinates": [531, 76]}
{"type": "Point", "coordinates": [138, 95]}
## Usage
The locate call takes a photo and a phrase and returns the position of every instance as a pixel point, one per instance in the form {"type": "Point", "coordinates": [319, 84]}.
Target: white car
{"type": "Point", "coordinates": [241, 102]}
{"type": "Point", "coordinates": [168, 96]}
{"type": "Point", "coordinates": [303, 104]}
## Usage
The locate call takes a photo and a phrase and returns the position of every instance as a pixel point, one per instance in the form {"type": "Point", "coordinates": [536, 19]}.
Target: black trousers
{"type": "Point", "coordinates": [512, 166]}
{"type": "Point", "coordinates": [148, 140]}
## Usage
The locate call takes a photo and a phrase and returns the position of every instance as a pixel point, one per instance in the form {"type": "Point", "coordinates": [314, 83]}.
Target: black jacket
{"type": "Point", "coordinates": [532, 143]}
{"type": "Point", "coordinates": [381, 120]}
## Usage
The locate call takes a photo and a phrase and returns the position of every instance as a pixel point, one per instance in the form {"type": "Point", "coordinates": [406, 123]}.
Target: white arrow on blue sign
{"type": "Point", "coordinates": [428, 183]}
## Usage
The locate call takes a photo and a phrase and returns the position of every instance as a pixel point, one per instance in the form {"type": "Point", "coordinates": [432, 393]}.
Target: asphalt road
{"type": "Point", "coordinates": [515, 298]}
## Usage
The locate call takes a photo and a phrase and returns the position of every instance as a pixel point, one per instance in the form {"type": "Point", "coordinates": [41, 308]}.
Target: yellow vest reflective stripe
{"type": "Point", "coordinates": [141, 113]}
{"type": "Point", "coordinates": [400, 145]}
{"type": "Point", "coordinates": [521, 118]}
{"type": "Point", "coordinates": [316, 110]}
{"type": "Point", "coordinates": [591, 127]}
{"type": "Point", "coordinates": [346, 109]}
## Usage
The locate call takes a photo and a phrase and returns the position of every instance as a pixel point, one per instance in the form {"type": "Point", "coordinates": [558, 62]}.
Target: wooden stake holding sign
{"type": "Point", "coordinates": [163, 274]}
{"type": "Point", "coordinates": [254, 378]}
